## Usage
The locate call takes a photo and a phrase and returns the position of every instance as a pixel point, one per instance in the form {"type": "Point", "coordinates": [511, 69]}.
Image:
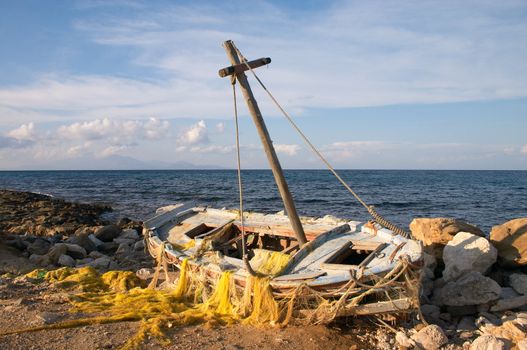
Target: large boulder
{"type": "Point", "coordinates": [467, 252]}
{"type": "Point", "coordinates": [510, 239]}
{"type": "Point", "coordinates": [108, 233]}
{"type": "Point", "coordinates": [470, 289]}
{"type": "Point", "coordinates": [435, 233]}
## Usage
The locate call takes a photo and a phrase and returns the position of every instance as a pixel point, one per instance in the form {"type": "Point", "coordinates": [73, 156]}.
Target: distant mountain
{"type": "Point", "coordinates": [114, 162]}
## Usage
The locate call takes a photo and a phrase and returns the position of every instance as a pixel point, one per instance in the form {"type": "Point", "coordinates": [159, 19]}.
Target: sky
{"type": "Point", "coordinates": [373, 84]}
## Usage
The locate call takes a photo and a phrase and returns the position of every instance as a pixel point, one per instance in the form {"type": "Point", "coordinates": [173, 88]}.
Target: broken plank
{"type": "Point", "coordinates": [377, 308]}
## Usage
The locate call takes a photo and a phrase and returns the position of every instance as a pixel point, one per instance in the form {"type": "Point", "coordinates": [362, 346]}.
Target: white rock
{"type": "Point", "coordinates": [430, 337]}
{"type": "Point", "coordinates": [130, 234]}
{"type": "Point", "coordinates": [467, 252]}
{"type": "Point", "coordinates": [66, 260]}
{"type": "Point", "coordinates": [487, 342]}
{"type": "Point", "coordinates": [470, 289]}
{"type": "Point", "coordinates": [518, 281]}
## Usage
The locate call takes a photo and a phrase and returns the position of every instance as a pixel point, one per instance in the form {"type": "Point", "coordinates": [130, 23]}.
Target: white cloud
{"type": "Point", "coordinates": [524, 150]}
{"type": "Point", "coordinates": [220, 127]}
{"type": "Point", "coordinates": [24, 132]}
{"type": "Point", "coordinates": [115, 130]}
{"type": "Point", "coordinates": [99, 129]}
{"type": "Point", "coordinates": [289, 150]}
{"type": "Point", "coordinates": [196, 134]}
{"type": "Point", "coordinates": [156, 129]}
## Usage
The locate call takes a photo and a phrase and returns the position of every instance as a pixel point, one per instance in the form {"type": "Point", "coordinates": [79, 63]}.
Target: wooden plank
{"type": "Point", "coordinates": [377, 308]}
{"type": "Point", "coordinates": [239, 68]}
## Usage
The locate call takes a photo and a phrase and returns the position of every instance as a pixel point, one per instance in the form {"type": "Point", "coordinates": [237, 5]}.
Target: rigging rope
{"type": "Point", "coordinates": [245, 256]}
{"type": "Point", "coordinates": [370, 208]}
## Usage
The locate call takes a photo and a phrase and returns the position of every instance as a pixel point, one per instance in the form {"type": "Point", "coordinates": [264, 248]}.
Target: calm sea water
{"type": "Point", "coordinates": [484, 198]}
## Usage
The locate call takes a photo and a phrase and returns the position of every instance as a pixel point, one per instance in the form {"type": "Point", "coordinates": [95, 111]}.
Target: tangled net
{"type": "Point", "coordinates": [118, 296]}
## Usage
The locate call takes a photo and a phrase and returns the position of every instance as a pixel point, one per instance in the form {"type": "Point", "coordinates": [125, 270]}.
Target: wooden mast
{"type": "Point", "coordinates": [266, 142]}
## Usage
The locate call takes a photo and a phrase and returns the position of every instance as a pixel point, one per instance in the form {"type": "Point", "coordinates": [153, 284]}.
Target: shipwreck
{"type": "Point", "coordinates": [333, 267]}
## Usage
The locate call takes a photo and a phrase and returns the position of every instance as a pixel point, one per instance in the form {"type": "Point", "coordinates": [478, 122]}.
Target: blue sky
{"type": "Point", "coordinates": [375, 84]}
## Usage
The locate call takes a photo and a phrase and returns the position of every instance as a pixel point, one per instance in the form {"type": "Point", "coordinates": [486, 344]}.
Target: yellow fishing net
{"type": "Point", "coordinates": [118, 296]}
{"type": "Point", "coordinates": [268, 262]}
{"type": "Point", "coordinates": [87, 279]}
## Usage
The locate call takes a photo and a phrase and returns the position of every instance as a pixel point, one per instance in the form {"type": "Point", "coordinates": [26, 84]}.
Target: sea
{"type": "Point", "coordinates": [483, 198]}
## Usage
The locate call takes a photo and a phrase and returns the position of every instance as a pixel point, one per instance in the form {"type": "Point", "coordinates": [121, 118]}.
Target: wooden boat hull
{"type": "Point", "coordinates": [339, 252]}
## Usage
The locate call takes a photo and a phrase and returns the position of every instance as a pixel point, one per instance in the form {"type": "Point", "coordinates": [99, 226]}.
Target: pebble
{"type": "Point", "coordinates": [430, 337]}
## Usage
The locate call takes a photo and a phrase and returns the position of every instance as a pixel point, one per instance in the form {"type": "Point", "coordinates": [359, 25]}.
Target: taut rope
{"type": "Point", "coordinates": [370, 208]}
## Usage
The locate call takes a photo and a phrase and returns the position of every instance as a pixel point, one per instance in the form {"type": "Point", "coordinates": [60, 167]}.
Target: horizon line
{"type": "Point", "coordinates": [260, 169]}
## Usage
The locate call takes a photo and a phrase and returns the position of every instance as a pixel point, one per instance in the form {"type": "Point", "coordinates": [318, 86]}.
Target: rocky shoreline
{"type": "Point", "coordinates": [51, 233]}
{"type": "Point", "coordinates": [473, 291]}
